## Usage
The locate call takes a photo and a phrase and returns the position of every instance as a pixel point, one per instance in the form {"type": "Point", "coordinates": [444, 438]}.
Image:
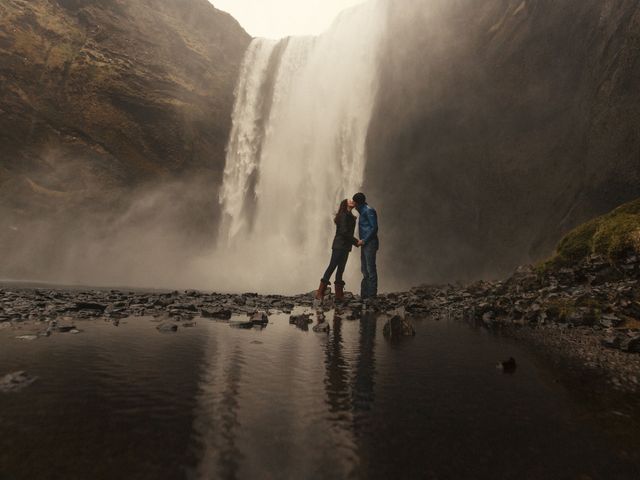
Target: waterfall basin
{"type": "Point", "coordinates": [277, 401]}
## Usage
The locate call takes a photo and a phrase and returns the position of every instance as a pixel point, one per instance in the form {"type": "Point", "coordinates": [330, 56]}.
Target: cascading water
{"type": "Point", "coordinates": [297, 147]}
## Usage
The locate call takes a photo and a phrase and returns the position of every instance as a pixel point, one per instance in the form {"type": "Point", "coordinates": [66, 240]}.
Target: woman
{"type": "Point", "coordinates": [342, 243]}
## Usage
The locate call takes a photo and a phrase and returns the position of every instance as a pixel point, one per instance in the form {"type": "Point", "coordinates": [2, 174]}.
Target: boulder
{"type": "Point", "coordinates": [16, 381]}
{"type": "Point", "coordinates": [633, 345]}
{"type": "Point", "coordinates": [398, 327]}
{"type": "Point", "coordinates": [322, 327]}
{"type": "Point", "coordinates": [260, 318]}
{"type": "Point", "coordinates": [218, 313]}
{"type": "Point", "coordinates": [301, 321]}
{"type": "Point", "coordinates": [90, 306]}
{"type": "Point", "coordinates": [609, 321]}
{"type": "Point", "coordinates": [167, 328]}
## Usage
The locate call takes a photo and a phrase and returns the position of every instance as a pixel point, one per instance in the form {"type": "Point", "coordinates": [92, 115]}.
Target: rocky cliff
{"type": "Point", "coordinates": [102, 105]}
{"type": "Point", "coordinates": [98, 96]}
{"type": "Point", "coordinates": [500, 125]}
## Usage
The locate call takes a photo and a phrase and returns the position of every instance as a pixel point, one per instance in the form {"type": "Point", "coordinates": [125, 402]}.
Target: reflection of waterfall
{"type": "Point", "coordinates": [297, 147]}
{"type": "Point", "coordinates": [217, 421]}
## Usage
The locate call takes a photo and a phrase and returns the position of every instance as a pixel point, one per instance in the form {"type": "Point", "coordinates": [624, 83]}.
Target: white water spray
{"type": "Point", "coordinates": [297, 147]}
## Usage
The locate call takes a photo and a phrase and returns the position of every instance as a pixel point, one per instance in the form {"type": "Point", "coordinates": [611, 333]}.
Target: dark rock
{"type": "Point", "coordinates": [398, 327]}
{"type": "Point", "coordinates": [260, 318]}
{"type": "Point", "coordinates": [219, 313]}
{"type": "Point", "coordinates": [16, 381]}
{"type": "Point", "coordinates": [241, 325]}
{"type": "Point", "coordinates": [301, 321]}
{"type": "Point", "coordinates": [179, 306]}
{"type": "Point", "coordinates": [608, 321]}
{"type": "Point", "coordinates": [488, 317]}
{"type": "Point", "coordinates": [322, 327]}
{"type": "Point", "coordinates": [167, 328]}
{"type": "Point", "coordinates": [612, 341]}
{"type": "Point", "coordinates": [91, 306]}
{"type": "Point", "coordinates": [633, 345]}
{"type": "Point", "coordinates": [65, 328]}
{"type": "Point", "coordinates": [508, 366]}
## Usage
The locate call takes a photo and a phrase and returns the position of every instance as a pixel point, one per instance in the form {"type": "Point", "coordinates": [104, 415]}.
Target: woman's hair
{"type": "Point", "coordinates": [342, 209]}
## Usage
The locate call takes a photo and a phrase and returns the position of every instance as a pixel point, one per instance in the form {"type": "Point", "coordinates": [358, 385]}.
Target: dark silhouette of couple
{"type": "Point", "coordinates": [345, 240]}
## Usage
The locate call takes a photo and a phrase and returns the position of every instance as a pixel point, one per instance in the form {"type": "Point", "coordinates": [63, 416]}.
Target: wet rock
{"type": "Point", "coordinates": [218, 313]}
{"type": "Point", "coordinates": [27, 337]}
{"type": "Point", "coordinates": [488, 317]}
{"type": "Point", "coordinates": [260, 318]}
{"type": "Point", "coordinates": [65, 328]}
{"type": "Point", "coordinates": [98, 307]}
{"type": "Point", "coordinates": [398, 327]}
{"type": "Point", "coordinates": [508, 366]}
{"type": "Point", "coordinates": [242, 325]}
{"type": "Point", "coordinates": [16, 381]}
{"type": "Point", "coordinates": [190, 307]}
{"type": "Point", "coordinates": [633, 345]}
{"type": "Point", "coordinates": [167, 327]}
{"type": "Point", "coordinates": [322, 327]}
{"type": "Point", "coordinates": [301, 321]}
{"type": "Point", "coordinates": [609, 321]}
{"type": "Point", "coordinates": [612, 341]}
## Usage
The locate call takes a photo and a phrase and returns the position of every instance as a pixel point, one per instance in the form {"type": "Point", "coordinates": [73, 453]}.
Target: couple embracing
{"type": "Point", "coordinates": [344, 241]}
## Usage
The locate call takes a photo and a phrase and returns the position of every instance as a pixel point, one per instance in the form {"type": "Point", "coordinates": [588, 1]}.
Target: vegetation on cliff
{"type": "Point", "coordinates": [614, 236]}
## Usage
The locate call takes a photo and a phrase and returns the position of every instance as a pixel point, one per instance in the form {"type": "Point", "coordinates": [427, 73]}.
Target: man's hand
{"type": "Point", "coordinates": [360, 243]}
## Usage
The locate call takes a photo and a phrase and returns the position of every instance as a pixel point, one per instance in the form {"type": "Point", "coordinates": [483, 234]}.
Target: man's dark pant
{"type": "Point", "coordinates": [338, 260]}
{"type": "Point", "coordinates": [369, 285]}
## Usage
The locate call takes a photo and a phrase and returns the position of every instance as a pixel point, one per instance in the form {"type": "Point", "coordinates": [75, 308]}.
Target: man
{"type": "Point", "coordinates": [368, 229]}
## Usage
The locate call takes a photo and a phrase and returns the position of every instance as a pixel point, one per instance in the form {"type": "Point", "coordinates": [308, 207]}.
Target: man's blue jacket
{"type": "Point", "coordinates": [368, 224]}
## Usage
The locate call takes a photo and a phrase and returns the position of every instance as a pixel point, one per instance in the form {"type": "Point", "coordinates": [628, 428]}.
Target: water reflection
{"type": "Point", "coordinates": [350, 385]}
{"type": "Point", "coordinates": [287, 403]}
{"type": "Point", "coordinates": [363, 385]}
{"type": "Point", "coordinates": [217, 422]}
{"type": "Point", "coordinates": [337, 376]}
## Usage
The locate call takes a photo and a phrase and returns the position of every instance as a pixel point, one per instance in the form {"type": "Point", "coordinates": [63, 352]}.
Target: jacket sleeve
{"type": "Point", "coordinates": [372, 216]}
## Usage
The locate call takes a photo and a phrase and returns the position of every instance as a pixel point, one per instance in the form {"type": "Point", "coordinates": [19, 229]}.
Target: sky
{"type": "Point", "coordinates": [281, 18]}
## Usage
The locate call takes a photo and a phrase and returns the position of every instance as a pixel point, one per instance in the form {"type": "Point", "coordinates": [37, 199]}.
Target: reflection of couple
{"type": "Point", "coordinates": [343, 242]}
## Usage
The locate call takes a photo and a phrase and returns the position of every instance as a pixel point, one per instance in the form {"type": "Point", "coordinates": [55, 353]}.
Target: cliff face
{"type": "Point", "coordinates": [96, 97]}
{"type": "Point", "coordinates": [500, 125]}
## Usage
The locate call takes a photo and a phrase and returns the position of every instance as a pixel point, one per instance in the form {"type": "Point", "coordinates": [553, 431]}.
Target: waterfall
{"type": "Point", "coordinates": [297, 147]}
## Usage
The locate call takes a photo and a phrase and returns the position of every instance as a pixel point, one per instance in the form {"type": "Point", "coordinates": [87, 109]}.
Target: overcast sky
{"type": "Point", "coordinates": [280, 18]}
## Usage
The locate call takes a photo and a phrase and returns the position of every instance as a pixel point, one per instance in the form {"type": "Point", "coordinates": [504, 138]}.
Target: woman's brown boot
{"type": "Point", "coordinates": [321, 290]}
{"type": "Point", "coordinates": [339, 291]}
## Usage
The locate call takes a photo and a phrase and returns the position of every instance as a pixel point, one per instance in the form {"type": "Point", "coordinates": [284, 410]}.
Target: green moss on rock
{"type": "Point", "coordinates": [614, 236]}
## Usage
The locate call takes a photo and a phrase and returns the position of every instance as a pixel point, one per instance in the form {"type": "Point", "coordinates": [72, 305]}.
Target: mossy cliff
{"type": "Point", "coordinates": [614, 236]}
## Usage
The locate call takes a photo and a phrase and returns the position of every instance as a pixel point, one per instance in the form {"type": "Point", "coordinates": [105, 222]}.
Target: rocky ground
{"type": "Point", "coordinates": [587, 315]}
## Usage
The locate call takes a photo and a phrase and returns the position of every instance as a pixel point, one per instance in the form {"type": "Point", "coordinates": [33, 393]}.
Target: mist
{"type": "Point", "coordinates": [149, 237]}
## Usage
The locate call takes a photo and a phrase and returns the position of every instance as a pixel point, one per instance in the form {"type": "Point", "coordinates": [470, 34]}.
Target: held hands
{"type": "Point", "coordinates": [360, 243]}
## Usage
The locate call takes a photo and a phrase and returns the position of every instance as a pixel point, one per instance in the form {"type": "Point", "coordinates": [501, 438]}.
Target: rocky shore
{"type": "Point", "coordinates": [586, 315]}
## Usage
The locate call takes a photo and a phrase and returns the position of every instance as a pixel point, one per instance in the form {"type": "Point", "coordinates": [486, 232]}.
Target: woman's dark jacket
{"type": "Point", "coordinates": [345, 226]}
